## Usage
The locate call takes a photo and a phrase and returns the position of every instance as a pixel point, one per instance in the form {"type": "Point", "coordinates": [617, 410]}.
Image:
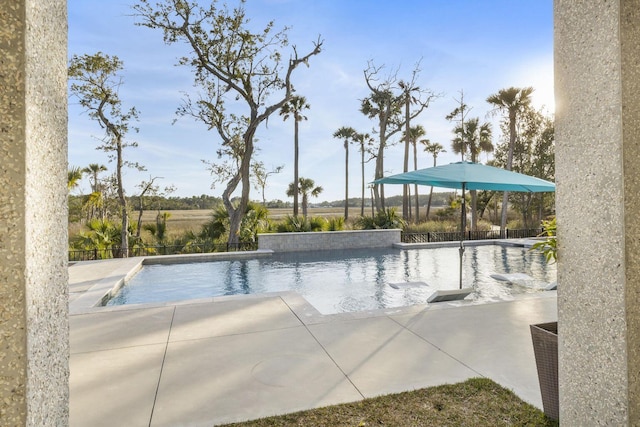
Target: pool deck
{"type": "Point", "coordinates": [219, 360]}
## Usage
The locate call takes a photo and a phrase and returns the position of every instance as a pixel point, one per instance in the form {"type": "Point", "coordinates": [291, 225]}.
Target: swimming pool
{"type": "Point", "coordinates": [345, 281]}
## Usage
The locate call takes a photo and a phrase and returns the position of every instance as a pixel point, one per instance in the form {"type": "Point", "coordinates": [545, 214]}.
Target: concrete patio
{"type": "Point", "coordinates": [219, 360]}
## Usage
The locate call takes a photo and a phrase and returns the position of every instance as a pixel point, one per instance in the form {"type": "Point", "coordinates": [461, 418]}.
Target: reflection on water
{"type": "Point", "coordinates": [345, 281]}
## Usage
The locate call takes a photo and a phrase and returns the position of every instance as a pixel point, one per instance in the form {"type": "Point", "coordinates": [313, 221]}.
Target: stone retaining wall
{"type": "Point", "coordinates": [294, 242]}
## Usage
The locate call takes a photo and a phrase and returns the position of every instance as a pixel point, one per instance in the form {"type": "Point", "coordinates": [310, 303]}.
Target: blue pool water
{"type": "Point", "coordinates": [345, 281]}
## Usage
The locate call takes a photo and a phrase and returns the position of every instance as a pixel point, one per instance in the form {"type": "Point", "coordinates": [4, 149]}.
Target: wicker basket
{"type": "Point", "coordinates": [545, 347]}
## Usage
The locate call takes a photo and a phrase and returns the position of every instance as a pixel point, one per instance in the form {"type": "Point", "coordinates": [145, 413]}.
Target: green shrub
{"type": "Point", "coordinates": [383, 220]}
{"type": "Point", "coordinates": [253, 222]}
{"type": "Point", "coordinates": [293, 224]}
{"type": "Point", "coordinates": [549, 246]}
{"type": "Point", "coordinates": [335, 223]}
{"type": "Point", "coordinates": [365, 223]}
{"type": "Point", "coordinates": [101, 234]}
{"type": "Point", "coordinates": [299, 224]}
{"type": "Point", "coordinates": [317, 223]}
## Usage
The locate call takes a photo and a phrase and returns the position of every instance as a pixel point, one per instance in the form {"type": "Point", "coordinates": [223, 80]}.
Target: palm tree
{"type": "Point", "coordinates": [94, 203]}
{"type": "Point", "coordinates": [306, 187]}
{"type": "Point", "coordinates": [434, 148]}
{"type": "Point", "coordinates": [102, 235]}
{"type": "Point", "coordinates": [407, 89]}
{"type": "Point", "coordinates": [415, 133]}
{"type": "Point", "coordinates": [477, 139]}
{"type": "Point", "coordinates": [511, 101]}
{"type": "Point", "coordinates": [365, 140]}
{"type": "Point", "coordinates": [346, 133]}
{"type": "Point", "coordinates": [293, 107]}
{"type": "Point", "coordinates": [161, 226]}
{"type": "Point", "coordinates": [74, 175]}
{"type": "Point", "coordinates": [94, 169]}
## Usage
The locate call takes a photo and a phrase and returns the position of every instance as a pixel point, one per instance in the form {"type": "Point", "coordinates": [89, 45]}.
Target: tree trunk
{"type": "Point", "coordinates": [503, 214]}
{"type": "Point", "coordinates": [431, 190]}
{"type": "Point", "coordinates": [429, 202]}
{"type": "Point", "coordinates": [346, 180]}
{"type": "Point", "coordinates": [305, 206]}
{"type": "Point", "coordinates": [124, 233]}
{"type": "Point", "coordinates": [362, 195]}
{"type": "Point", "coordinates": [527, 215]}
{"type": "Point", "coordinates": [474, 210]}
{"type": "Point", "coordinates": [139, 227]}
{"type": "Point", "coordinates": [409, 207]}
{"type": "Point", "coordinates": [512, 143]}
{"type": "Point", "coordinates": [405, 188]}
{"type": "Point", "coordinates": [378, 189]}
{"type": "Point", "coordinates": [415, 167]}
{"type": "Point", "coordinates": [295, 166]}
{"type": "Point", "coordinates": [243, 175]}
{"type": "Point", "coordinates": [235, 218]}
{"type": "Point", "coordinates": [373, 213]}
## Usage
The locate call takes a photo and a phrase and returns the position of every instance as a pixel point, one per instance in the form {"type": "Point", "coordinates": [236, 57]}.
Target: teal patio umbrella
{"type": "Point", "coordinates": [470, 176]}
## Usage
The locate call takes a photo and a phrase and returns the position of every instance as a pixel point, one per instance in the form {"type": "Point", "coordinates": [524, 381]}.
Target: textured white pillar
{"type": "Point", "coordinates": [34, 338]}
{"type": "Point", "coordinates": [597, 81]}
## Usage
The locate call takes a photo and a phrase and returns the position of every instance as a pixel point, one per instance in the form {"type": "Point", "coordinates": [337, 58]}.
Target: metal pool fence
{"type": "Point", "coordinates": [431, 236]}
{"type": "Point", "coordinates": [449, 236]}
{"type": "Point", "coordinates": [196, 248]}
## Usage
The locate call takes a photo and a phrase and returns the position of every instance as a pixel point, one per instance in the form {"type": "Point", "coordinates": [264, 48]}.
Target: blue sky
{"type": "Point", "coordinates": [476, 46]}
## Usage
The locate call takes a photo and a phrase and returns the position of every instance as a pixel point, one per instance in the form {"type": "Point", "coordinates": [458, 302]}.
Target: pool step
{"type": "Point", "coordinates": [402, 285]}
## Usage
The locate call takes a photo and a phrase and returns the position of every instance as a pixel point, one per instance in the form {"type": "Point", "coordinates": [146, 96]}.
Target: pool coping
{"type": "Point", "coordinates": [88, 296]}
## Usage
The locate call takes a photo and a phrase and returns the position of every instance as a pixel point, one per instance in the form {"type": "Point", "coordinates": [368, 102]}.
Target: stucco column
{"type": "Point", "coordinates": [597, 83]}
{"type": "Point", "coordinates": [34, 338]}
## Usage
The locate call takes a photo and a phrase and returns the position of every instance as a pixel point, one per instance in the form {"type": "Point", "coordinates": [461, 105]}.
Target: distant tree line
{"type": "Point", "coordinates": [153, 203]}
{"type": "Point", "coordinates": [173, 203]}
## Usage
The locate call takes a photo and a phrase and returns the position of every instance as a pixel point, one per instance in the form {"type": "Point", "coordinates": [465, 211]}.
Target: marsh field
{"type": "Point", "coordinates": [180, 221]}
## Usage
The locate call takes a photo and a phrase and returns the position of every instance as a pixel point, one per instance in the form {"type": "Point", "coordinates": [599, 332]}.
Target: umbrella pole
{"type": "Point", "coordinates": [463, 223]}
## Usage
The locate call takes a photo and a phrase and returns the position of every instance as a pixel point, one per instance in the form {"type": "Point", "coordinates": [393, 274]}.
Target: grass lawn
{"type": "Point", "coordinates": [475, 402]}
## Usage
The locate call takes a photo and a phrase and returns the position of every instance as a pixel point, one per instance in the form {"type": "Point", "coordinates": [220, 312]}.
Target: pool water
{"type": "Point", "coordinates": [345, 281]}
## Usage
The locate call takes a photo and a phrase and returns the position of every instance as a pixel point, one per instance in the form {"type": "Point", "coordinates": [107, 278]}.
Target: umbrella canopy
{"type": "Point", "coordinates": [473, 176]}
{"type": "Point", "coordinates": [470, 176]}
